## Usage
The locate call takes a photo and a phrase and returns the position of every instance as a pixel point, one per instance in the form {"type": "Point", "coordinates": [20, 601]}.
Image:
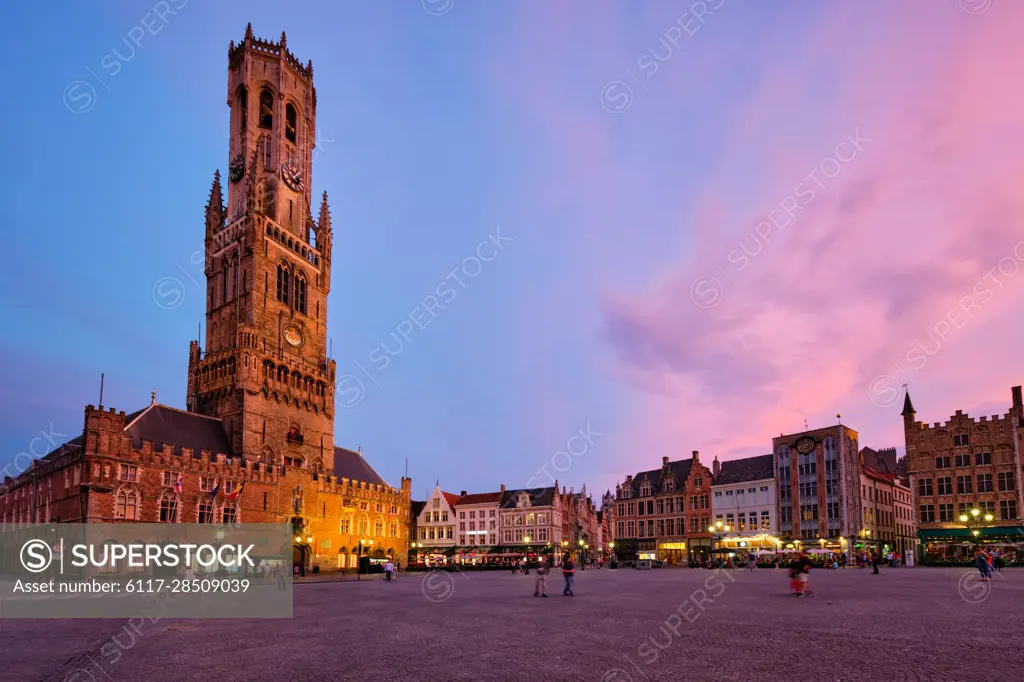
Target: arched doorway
{"type": "Point", "coordinates": [300, 558]}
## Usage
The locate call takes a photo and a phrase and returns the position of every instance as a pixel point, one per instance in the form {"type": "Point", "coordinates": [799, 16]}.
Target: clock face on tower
{"type": "Point", "coordinates": [292, 176]}
{"type": "Point", "coordinates": [237, 168]}
{"type": "Point", "coordinates": [805, 445]}
{"type": "Point", "coordinates": [293, 336]}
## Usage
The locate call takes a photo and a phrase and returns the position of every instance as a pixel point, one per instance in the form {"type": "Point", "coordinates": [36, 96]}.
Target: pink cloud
{"type": "Point", "coordinates": [897, 240]}
{"type": "Point", "coordinates": [863, 273]}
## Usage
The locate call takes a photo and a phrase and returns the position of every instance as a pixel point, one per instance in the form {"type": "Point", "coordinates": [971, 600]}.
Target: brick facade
{"type": "Point", "coordinates": [261, 401]}
{"type": "Point", "coordinates": [966, 463]}
{"type": "Point", "coordinates": [675, 512]}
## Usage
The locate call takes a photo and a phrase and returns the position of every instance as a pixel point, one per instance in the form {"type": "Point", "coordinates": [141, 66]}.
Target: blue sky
{"type": "Point", "coordinates": [436, 131]}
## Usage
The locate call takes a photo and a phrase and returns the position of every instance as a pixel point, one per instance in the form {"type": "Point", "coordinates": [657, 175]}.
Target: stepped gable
{"type": "Point", "coordinates": [680, 468]}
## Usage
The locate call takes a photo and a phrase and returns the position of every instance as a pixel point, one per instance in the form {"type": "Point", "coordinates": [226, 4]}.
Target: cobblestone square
{"type": "Point", "coordinates": [623, 625]}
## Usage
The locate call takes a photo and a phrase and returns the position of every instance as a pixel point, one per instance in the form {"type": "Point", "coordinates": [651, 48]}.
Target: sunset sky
{"type": "Point", "coordinates": [715, 227]}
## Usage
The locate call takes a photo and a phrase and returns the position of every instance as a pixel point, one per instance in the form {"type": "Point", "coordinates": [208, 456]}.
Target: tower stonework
{"type": "Point", "coordinates": [256, 444]}
{"type": "Point", "coordinates": [263, 369]}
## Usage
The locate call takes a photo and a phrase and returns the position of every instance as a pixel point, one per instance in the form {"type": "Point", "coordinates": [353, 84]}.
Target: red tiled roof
{"type": "Point", "coordinates": [889, 478]}
{"type": "Point", "coordinates": [451, 498]}
{"type": "Point", "coordinates": [480, 498]}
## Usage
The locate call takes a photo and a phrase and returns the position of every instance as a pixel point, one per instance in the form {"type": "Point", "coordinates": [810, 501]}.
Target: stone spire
{"type": "Point", "coordinates": [908, 407]}
{"type": "Point", "coordinates": [324, 221]}
{"type": "Point", "coordinates": [215, 206]}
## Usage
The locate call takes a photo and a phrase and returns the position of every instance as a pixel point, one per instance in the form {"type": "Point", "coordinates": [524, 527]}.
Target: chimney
{"type": "Point", "coordinates": [502, 488]}
{"type": "Point", "coordinates": [1018, 405]}
{"type": "Point", "coordinates": [696, 457]}
{"type": "Point", "coordinates": [462, 494]}
{"type": "Point", "coordinates": [716, 467]}
{"type": "Point", "coordinates": [664, 461]}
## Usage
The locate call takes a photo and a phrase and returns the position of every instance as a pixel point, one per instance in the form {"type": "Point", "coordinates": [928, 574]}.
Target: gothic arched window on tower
{"type": "Point", "coordinates": [282, 283]}
{"type": "Point", "coordinates": [283, 277]}
{"type": "Point", "coordinates": [300, 294]}
{"type": "Point", "coordinates": [266, 109]}
{"type": "Point", "coordinates": [243, 106]}
{"type": "Point", "coordinates": [290, 121]}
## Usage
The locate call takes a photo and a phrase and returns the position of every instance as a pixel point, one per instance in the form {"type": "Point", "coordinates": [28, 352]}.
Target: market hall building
{"type": "Point", "coordinates": [962, 466]}
{"type": "Point", "coordinates": [256, 444]}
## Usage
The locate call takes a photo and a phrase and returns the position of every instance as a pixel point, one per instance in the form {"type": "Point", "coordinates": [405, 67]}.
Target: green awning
{"type": "Point", "coordinates": [1015, 533]}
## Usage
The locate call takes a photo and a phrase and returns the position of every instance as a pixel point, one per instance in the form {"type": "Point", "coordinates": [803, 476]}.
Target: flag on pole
{"type": "Point", "coordinates": [177, 485]}
{"type": "Point", "coordinates": [233, 495]}
{"type": "Point", "coordinates": [216, 489]}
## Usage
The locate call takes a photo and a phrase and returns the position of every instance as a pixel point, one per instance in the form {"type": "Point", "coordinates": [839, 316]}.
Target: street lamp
{"type": "Point", "coordinates": [363, 545]}
{"type": "Point", "coordinates": [975, 521]}
{"type": "Point", "coordinates": [308, 541]}
{"type": "Point", "coordinates": [865, 538]}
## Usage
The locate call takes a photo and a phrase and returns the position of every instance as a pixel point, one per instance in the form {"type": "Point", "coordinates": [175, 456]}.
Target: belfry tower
{"type": "Point", "coordinates": [264, 370]}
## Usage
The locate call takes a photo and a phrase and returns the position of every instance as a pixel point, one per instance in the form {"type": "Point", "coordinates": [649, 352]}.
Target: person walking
{"type": "Point", "coordinates": [981, 563]}
{"type": "Point", "coordinates": [388, 568]}
{"type": "Point", "coordinates": [540, 585]}
{"type": "Point", "coordinates": [799, 572]}
{"type": "Point", "coordinates": [875, 558]}
{"type": "Point", "coordinates": [568, 571]}
{"type": "Point", "coordinates": [751, 561]}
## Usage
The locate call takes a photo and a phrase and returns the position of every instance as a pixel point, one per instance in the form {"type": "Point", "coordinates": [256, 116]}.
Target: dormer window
{"type": "Point", "coordinates": [670, 485]}
{"type": "Point", "coordinates": [645, 489]}
{"type": "Point", "coordinates": [524, 500]}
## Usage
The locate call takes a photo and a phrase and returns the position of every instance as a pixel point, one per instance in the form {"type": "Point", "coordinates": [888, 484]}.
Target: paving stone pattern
{"type": "Point", "coordinates": [622, 626]}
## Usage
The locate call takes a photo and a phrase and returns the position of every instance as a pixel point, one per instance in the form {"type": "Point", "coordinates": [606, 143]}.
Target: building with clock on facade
{"type": "Point", "coordinates": [818, 478]}
{"type": "Point", "coordinates": [259, 424]}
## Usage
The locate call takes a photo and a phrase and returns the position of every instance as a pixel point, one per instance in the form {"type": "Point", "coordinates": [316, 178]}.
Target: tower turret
{"type": "Point", "coordinates": [325, 240]}
{"type": "Point", "coordinates": [215, 208]}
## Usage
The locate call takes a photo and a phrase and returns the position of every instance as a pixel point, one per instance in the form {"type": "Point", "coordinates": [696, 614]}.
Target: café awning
{"type": "Point", "coordinates": [991, 533]}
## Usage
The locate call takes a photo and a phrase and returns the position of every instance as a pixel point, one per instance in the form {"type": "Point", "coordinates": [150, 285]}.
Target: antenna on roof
{"type": "Point", "coordinates": [101, 390]}
{"type": "Point", "coordinates": [407, 467]}
{"type": "Point", "coordinates": [152, 397]}
{"type": "Point", "coordinates": [806, 427]}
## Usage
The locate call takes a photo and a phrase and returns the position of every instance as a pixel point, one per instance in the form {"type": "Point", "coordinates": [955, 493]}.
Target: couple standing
{"type": "Point", "coordinates": [541, 584]}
